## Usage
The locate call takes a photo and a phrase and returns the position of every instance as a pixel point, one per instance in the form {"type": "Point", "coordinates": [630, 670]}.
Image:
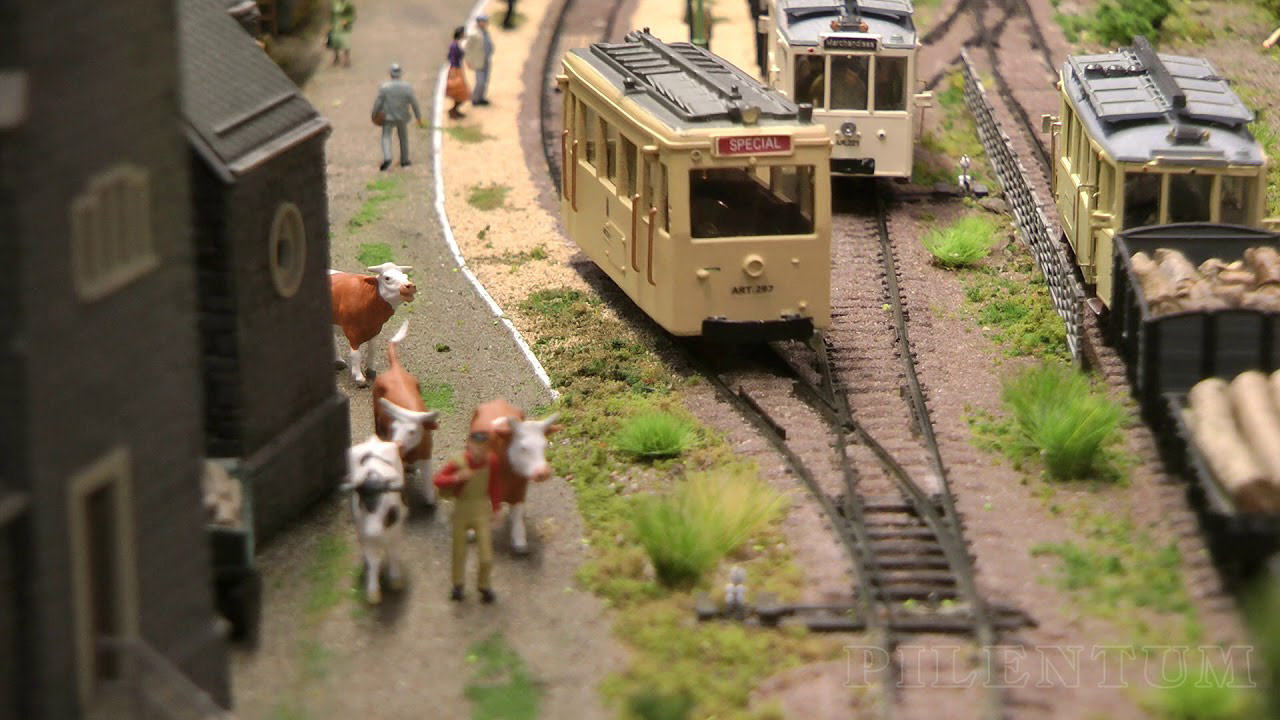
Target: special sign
{"type": "Point", "coordinates": [849, 43]}
{"type": "Point", "coordinates": [753, 145]}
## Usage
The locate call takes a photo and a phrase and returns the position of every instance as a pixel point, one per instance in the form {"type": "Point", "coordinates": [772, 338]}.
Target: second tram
{"type": "Point", "coordinates": [854, 61]}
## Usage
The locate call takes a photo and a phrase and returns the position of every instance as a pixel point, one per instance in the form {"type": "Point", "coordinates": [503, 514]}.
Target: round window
{"type": "Point", "coordinates": [287, 249]}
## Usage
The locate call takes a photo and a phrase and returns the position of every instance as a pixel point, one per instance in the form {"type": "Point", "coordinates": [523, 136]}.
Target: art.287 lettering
{"type": "Point", "coordinates": [751, 289]}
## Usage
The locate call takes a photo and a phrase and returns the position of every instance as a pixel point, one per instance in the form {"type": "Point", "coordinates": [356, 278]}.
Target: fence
{"type": "Point", "coordinates": [1034, 228]}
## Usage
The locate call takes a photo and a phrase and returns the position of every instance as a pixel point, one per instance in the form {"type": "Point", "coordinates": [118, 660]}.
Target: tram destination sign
{"type": "Point", "coordinates": [842, 42]}
{"type": "Point", "coordinates": [753, 145]}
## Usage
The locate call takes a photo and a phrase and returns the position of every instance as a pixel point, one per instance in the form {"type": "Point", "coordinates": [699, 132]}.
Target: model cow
{"type": "Point", "coordinates": [362, 304]}
{"type": "Point", "coordinates": [376, 478]}
{"type": "Point", "coordinates": [520, 446]}
{"type": "Point", "coordinates": [400, 416]}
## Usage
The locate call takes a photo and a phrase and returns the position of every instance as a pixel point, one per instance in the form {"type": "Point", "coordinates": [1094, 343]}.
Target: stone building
{"type": "Point", "coordinates": [103, 559]}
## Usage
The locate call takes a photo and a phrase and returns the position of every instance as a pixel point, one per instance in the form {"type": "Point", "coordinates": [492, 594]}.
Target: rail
{"type": "Point", "coordinates": [1035, 230]}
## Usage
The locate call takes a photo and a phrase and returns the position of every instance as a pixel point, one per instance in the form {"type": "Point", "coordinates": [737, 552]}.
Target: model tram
{"type": "Point", "coordinates": [704, 195]}
{"type": "Point", "coordinates": [1146, 138]}
{"type": "Point", "coordinates": [855, 63]}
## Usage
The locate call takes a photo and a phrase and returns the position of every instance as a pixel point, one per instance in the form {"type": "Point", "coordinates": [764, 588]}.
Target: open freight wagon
{"type": "Point", "coordinates": [1167, 354]}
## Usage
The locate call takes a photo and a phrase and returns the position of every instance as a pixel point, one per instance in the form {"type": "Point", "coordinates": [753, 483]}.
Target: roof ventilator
{"type": "Point", "coordinates": [1163, 80]}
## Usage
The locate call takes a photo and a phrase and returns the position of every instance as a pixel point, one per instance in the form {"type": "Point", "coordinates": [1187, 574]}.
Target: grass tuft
{"type": "Point", "coordinates": [370, 254]}
{"type": "Point", "coordinates": [500, 687]}
{"type": "Point", "coordinates": [706, 517]}
{"type": "Point", "coordinates": [488, 197]}
{"type": "Point", "coordinates": [1058, 415]}
{"type": "Point", "coordinates": [1195, 697]}
{"type": "Point", "coordinates": [438, 395]}
{"type": "Point", "coordinates": [381, 192]}
{"type": "Point", "coordinates": [472, 133]}
{"type": "Point", "coordinates": [654, 705]}
{"type": "Point", "coordinates": [963, 243]}
{"type": "Point", "coordinates": [655, 435]}
{"type": "Point", "coordinates": [1118, 22]}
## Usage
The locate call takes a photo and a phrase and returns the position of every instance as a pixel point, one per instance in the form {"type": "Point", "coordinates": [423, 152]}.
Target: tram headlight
{"type": "Point", "coordinates": [753, 265]}
{"type": "Point", "coordinates": [848, 129]}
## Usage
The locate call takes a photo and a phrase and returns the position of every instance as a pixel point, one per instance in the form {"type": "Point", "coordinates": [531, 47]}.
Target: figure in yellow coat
{"type": "Point", "coordinates": [469, 479]}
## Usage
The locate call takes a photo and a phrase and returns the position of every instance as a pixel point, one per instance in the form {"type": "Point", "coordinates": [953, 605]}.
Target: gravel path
{"type": "Point", "coordinates": [323, 654]}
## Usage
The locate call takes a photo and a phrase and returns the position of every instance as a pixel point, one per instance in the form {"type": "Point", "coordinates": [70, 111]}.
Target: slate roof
{"type": "Point", "coordinates": [239, 106]}
{"type": "Point", "coordinates": [1130, 101]}
{"type": "Point", "coordinates": [683, 85]}
{"type": "Point", "coordinates": [803, 21]}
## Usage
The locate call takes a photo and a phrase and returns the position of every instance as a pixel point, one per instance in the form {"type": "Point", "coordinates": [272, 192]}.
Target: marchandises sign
{"type": "Point", "coordinates": [754, 145]}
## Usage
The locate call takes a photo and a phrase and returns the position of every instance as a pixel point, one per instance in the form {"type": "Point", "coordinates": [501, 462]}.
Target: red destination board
{"type": "Point", "coordinates": [753, 145]}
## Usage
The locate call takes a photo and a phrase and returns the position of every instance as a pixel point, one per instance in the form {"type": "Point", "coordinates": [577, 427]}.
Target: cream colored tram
{"type": "Point", "coordinates": [854, 61]}
{"type": "Point", "coordinates": [1145, 138]}
{"type": "Point", "coordinates": [704, 195]}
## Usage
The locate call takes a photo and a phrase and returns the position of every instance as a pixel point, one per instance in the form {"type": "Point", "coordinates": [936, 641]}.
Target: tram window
{"type": "Point", "coordinates": [628, 167]}
{"type": "Point", "coordinates": [1106, 185]}
{"type": "Point", "coordinates": [810, 78]}
{"type": "Point", "coordinates": [732, 202]}
{"type": "Point", "coordinates": [1141, 199]}
{"type": "Point", "coordinates": [1234, 207]}
{"type": "Point", "coordinates": [665, 207]}
{"type": "Point", "coordinates": [1069, 134]}
{"type": "Point", "coordinates": [610, 151]}
{"type": "Point", "coordinates": [1190, 198]}
{"type": "Point", "coordinates": [891, 83]}
{"type": "Point", "coordinates": [849, 82]}
{"type": "Point", "coordinates": [589, 127]}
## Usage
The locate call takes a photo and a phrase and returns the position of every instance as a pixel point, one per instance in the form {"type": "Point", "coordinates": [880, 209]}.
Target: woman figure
{"type": "Point", "coordinates": [344, 16]}
{"type": "Point", "coordinates": [456, 88]}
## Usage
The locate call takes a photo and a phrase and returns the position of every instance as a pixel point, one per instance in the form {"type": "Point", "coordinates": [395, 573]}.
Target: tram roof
{"type": "Point", "coordinates": [1142, 105]}
{"type": "Point", "coordinates": [803, 21]}
{"type": "Point", "coordinates": [684, 86]}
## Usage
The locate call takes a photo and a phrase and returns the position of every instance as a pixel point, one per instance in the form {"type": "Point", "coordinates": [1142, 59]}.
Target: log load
{"type": "Point", "coordinates": [1237, 429]}
{"type": "Point", "coordinates": [1171, 283]}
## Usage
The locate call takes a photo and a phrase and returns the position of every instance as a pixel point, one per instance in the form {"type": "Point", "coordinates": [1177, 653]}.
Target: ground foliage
{"type": "Point", "coordinates": [963, 243]}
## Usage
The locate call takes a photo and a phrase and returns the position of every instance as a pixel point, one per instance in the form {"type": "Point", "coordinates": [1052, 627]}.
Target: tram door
{"type": "Point", "coordinates": [616, 204]}
{"type": "Point", "coordinates": [651, 199]}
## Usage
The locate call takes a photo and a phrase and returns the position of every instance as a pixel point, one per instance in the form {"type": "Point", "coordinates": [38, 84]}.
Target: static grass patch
{"type": "Point", "coordinates": [1260, 603]}
{"type": "Point", "coordinates": [471, 133]}
{"type": "Point", "coordinates": [1063, 420]}
{"type": "Point", "coordinates": [438, 396]}
{"type": "Point", "coordinates": [514, 260]}
{"type": "Point", "coordinates": [1010, 300]}
{"type": "Point", "coordinates": [1197, 694]}
{"type": "Point", "coordinates": [606, 374]}
{"type": "Point", "coordinates": [655, 435]}
{"type": "Point", "coordinates": [330, 564]}
{"type": "Point", "coordinates": [487, 197]}
{"type": "Point", "coordinates": [963, 243]}
{"type": "Point", "coordinates": [378, 193]}
{"type": "Point", "coordinates": [370, 254]}
{"type": "Point", "coordinates": [653, 705]}
{"type": "Point", "coordinates": [707, 516]}
{"type": "Point", "coordinates": [500, 687]}
{"type": "Point", "coordinates": [938, 153]}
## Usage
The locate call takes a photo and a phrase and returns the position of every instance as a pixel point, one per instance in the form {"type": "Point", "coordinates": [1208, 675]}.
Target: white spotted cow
{"type": "Point", "coordinates": [376, 479]}
{"type": "Point", "coordinates": [362, 304]}
{"type": "Point", "coordinates": [521, 447]}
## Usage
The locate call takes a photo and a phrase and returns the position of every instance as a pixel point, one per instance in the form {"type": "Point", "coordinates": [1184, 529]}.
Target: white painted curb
{"type": "Point", "coordinates": [437, 133]}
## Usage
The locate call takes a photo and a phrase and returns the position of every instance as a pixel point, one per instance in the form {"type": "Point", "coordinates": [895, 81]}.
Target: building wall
{"type": "Point", "coordinates": [121, 371]}
{"type": "Point", "coordinates": [293, 423]}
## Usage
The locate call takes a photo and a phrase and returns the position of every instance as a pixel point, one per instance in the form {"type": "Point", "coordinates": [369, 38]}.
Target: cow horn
{"type": "Point", "coordinates": [406, 414]}
{"type": "Point", "coordinates": [546, 422]}
{"type": "Point", "coordinates": [379, 268]}
{"type": "Point", "coordinates": [405, 268]}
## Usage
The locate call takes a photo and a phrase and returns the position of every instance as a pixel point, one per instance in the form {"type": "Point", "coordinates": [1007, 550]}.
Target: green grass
{"type": "Point", "coordinates": [1118, 22]}
{"type": "Point", "coordinates": [379, 193]}
{"type": "Point", "coordinates": [514, 260]}
{"type": "Point", "coordinates": [655, 435]}
{"type": "Point", "coordinates": [330, 563]}
{"type": "Point", "coordinates": [500, 686]}
{"type": "Point", "coordinates": [1062, 419]}
{"type": "Point", "coordinates": [939, 150]}
{"type": "Point", "coordinates": [438, 396]}
{"type": "Point", "coordinates": [962, 243]}
{"type": "Point", "coordinates": [606, 373]}
{"type": "Point", "coordinates": [472, 133]}
{"type": "Point", "coordinates": [487, 197]}
{"type": "Point", "coordinates": [1009, 298]}
{"type": "Point", "coordinates": [1194, 699]}
{"type": "Point", "coordinates": [1262, 612]}
{"type": "Point", "coordinates": [706, 517]}
{"type": "Point", "coordinates": [370, 254]}
{"type": "Point", "coordinates": [653, 705]}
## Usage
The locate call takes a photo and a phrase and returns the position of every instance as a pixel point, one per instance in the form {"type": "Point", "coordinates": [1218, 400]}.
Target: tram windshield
{"type": "Point", "coordinates": [811, 75]}
{"type": "Point", "coordinates": [891, 83]}
{"type": "Point", "coordinates": [766, 200]}
{"type": "Point", "coordinates": [1188, 197]}
{"type": "Point", "coordinates": [849, 81]}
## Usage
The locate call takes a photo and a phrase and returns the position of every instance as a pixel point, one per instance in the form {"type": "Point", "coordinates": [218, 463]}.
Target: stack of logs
{"type": "Point", "coordinates": [1236, 425]}
{"type": "Point", "coordinates": [1171, 283]}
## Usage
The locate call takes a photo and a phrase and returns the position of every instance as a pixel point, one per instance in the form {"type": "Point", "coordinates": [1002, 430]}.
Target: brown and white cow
{"type": "Point", "coordinates": [362, 304]}
{"type": "Point", "coordinates": [521, 447]}
{"type": "Point", "coordinates": [400, 416]}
